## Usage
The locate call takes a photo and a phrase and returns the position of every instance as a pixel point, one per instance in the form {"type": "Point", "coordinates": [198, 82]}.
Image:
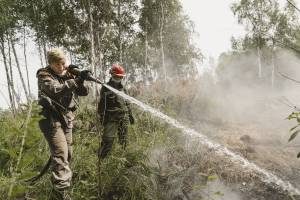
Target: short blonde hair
{"type": "Point", "coordinates": [55, 56]}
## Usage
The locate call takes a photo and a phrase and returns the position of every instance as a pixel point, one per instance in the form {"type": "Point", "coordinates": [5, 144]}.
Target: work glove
{"type": "Point", "coordinates": [73, 67]}
{"type": "Point", "coordinates": [131, 119]}
{"type": "Point", "coordinates": [85, 74]}
{"type": "Point", "coordinates": [82, 76]}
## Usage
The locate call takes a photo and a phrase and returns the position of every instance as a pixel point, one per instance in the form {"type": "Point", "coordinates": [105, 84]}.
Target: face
{"type": "Point", "coordinates": [117, 79]}
{"type": "Point", "coordinates": [59, 68]}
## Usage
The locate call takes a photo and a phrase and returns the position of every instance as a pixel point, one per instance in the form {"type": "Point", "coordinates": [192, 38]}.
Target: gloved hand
{"type": "Point", "coordinates": [131, 119]}
{"type": "Point", "coordinates": [85, 74]}
{"type": "Point", "coordinates": [73, 67]}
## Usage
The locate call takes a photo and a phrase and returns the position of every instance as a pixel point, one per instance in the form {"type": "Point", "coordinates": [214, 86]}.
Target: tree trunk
{"type": "Point", "coordinates": [71, 57]}
{"type": "Point", "coordinates": [25, 60]}
{"type": "Point", "coordinates": [162, 43]}
{"type": "Point", "coordinates": [146, 48]}
{"type": "Point", "coordinates": [146, 67]}
{"type": "Point", "coordinates": [8, 78]}
{"type": "Point", "coordinates": [18, 67]}
{"type": "Point", "coordinates": [16, 96]}
{"type": "Point", "coordinates": [98, 70]}
{"type": "Point", "coordinates": [99, 39]}
{"type": "Point", "coordinates": [120, 33]}
{"type": "Point", "coordinates": [259, 62]}
{"type": "Point", "coordinates": [44, 49]}
{"type": "Point", "coordinates": [273, 67]}
{"type": "Point", "coordinates": [92, 49]}
{"type": "Point", "coordinates": [40, 52]}
{"type": "Point", "coordinates": [38, 37]}
{"type": "Point", "coordinates": [104, 66]}
{"type": "Point", "coordinates": [259, 41]}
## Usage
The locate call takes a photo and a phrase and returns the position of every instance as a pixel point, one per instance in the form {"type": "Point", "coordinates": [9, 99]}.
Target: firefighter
{"type": "Point", "coordinates": [57, 92]}
{"type": "Point", "coordinates": [115, 112]}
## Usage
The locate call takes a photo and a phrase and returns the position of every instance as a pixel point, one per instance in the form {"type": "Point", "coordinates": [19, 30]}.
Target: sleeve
{"type": "Point", "coordinates": [101, 104]}
{"type": "Point", "coordinates": [82, 89]}
{"type": "Point", "coordinates": [54, 87]}
{"type": "Point", "coordinates": [128, 105]}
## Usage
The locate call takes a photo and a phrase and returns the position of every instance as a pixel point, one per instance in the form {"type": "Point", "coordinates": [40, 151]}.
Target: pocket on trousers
{"type": "Point", "coordinates": [45, 125]}
{"type": "Point", "coordinates": [69, 119]}
{"type": "Point", "coordinates": [48, 124]}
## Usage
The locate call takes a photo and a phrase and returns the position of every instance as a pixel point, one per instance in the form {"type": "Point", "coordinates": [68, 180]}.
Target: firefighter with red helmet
{"type": "Point", "coordinates": [114, 111]}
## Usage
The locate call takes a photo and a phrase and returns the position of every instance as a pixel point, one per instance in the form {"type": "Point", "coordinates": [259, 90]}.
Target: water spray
{"type": "Point", "coordinates": [266, 176]}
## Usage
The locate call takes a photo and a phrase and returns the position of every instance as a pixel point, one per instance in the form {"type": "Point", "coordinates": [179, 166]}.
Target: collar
{"type": "Point", "coordinates": [115, 85]}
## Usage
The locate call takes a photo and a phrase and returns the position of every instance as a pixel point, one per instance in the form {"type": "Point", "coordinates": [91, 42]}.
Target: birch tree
{"type": "Point", "coordinates": [256, 16]}
{"type": "Point", "coordinates": [267, 27]}
{"type": "Point", "coordinates": [169, 32]}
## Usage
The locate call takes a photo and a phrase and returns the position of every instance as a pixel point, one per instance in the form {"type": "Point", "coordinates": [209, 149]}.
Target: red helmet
{"type": "Point", "coordinates": [117, 70]}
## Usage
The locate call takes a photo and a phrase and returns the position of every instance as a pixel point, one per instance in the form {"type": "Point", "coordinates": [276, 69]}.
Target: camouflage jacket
{"type": "Point", "coordinates": [57, 94]}
{"type": "Point", "coordinates": [112, 107]}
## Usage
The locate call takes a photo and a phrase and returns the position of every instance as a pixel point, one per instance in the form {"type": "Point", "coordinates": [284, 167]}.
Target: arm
{"type": "Point", "coordinates": [82, 90]}
{"type": "Point", "coordinates": [128, 105]}
{"type": "Point", "coordinates": [101, 105]}
{"type": "Point", "coordinates": [54, 87]}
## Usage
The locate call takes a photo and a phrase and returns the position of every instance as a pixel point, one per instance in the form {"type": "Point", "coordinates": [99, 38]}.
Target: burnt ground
{"type": "Point", "coordinates": [266, 148]}
{"type": "Point", "coordinates": [250, 122]}
{"type": "Point", "coordinates": [191, 171]}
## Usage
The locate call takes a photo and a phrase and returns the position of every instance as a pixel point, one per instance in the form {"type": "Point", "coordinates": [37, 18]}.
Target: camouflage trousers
{"type": "Point", "coordinates": [111, 129]}
{"type": "Point", "coordinates": [60, 143]}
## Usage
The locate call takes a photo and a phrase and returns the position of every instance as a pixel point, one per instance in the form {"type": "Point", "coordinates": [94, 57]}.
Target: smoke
{"type": "Point", "coordinates": [243, 112]}
{"type": "Point", "coordinates": [239, 96]}
{"type": "Point", "coordinates": [181, 178]}
{"type": "Point", "coordinates": [220, 191]}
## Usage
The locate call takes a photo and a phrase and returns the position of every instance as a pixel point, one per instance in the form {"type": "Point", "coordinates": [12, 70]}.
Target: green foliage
{"type": "Point", "coordinates": [180, 52]}
{"type": "Point", "coordinates": [212, 177]}
{"type": "Point", "coordinates": [11, 134]}
{"type": "Point", "coordinates": [124, 175]}
{"type": "Point", "coordinates": [294, 131]}
{"type": "Point", "coordinates": [266, 24]}
{"type": "Point", "coordinates": [130, 174]}
{"type": "Point", "coordinates": [261, 20]}
{"type": "Point", "coordinates": [119, 29]}
{"type": "Point", "coordinates": [8, 17]}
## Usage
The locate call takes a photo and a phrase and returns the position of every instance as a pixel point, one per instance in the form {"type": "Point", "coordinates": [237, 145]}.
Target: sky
{"type": "Point", "coordinates": [214, 23]}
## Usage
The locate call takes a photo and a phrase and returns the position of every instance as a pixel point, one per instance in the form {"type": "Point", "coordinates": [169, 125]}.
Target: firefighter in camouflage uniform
{"type": "Point", "coordinates": [57, 90]}
{"type": "Point", "coordinates": [114, 111]}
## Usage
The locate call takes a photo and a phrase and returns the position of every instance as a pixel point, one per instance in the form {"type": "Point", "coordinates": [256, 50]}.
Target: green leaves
{"type": "Point", "coordinates": [294, 134]}
{"type": "Point", "coordinates": [11, 135]}
{"type": "Point", "coordinates": [266, 23]}
{"type": "Point", "coordinates": [19, 191]}
{"type": "Point", "coordinates": [293, 131]}
{"type": "Point", "coordinates": [177, 29]}
{"type": "Point", "coordinates": [212, 178]}
{"type": "Point", "coordinates": [294, 116]}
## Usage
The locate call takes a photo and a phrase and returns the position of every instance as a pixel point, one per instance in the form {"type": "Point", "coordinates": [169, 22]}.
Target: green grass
{"type": "Point", "coordinates": [148, 169]}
